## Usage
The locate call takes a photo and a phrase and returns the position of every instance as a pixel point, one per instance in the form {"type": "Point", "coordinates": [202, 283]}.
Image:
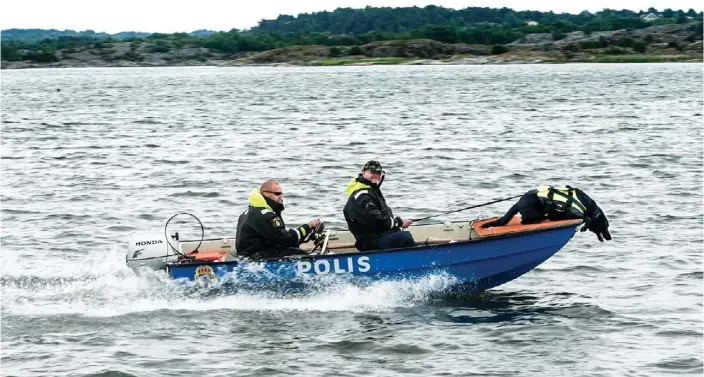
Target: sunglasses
{"type": "Point", "coordinates": [277, 193]}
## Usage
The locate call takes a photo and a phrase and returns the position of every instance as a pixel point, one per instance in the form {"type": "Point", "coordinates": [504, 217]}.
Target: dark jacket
{"type": "Point", "coordinates": [261, 232]}
{"type": "Point", "coordinates": [366, 213]}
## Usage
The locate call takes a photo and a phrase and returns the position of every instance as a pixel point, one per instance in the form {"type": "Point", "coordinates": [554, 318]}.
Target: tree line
{"type": "Point", "coordinates": [400, 20]}
{"type": "Point", "coordinates": [355, 27]}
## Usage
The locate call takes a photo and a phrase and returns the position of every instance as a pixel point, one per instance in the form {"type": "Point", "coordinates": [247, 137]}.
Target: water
{"type": "Point", "coordinates": [91, 155]}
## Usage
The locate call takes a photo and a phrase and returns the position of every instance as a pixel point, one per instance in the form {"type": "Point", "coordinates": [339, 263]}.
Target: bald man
{"type": "Point", "coordinates": [261, 232]}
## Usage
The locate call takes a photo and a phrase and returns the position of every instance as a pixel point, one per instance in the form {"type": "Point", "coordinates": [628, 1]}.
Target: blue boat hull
{"type": "Point", "coordinates": [473, 266]}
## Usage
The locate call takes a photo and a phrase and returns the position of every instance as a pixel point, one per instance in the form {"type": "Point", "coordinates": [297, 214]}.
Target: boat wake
{"type": "Point", "coordinates": [103, 286]}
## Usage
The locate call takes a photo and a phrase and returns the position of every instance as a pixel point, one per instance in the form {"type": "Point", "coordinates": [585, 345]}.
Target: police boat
{"type": "Point", "coordinates": [475, 258]}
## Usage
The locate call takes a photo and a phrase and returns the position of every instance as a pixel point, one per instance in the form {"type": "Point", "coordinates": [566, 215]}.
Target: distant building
{"type": "Point", "coordinates": [532, 23]}
{"type": "Point", "coordinates": [650, 17]}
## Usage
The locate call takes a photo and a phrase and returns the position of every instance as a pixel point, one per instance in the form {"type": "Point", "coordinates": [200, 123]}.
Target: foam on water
{"type": "Point", "coordinates": [103, 286]}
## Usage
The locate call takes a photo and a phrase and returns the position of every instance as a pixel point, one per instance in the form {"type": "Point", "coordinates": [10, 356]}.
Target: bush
{"type": "Point", "coordinates": [587, 45]}
{"type": "Point", "coordinates": [557, 35]}
{"type": "Point", "coordinates": [41, 57]}
{"type": "Point", "coordinates": [159, 49]}
{"type": "Point", "coordinates": [334, 51]}
{"type": "Point", "coordinates": [356, 50]}
{"type": "Point", "coordinates": [498, 49]}
{"type": "Point", "coordinates": [639, 47]}
{"type": "Point", "coordinates": [10, 52]}
{"type": "Point", "coordinates": [624, 42]}
{"type": "Point", "coordinates": [674, 45]}
{"type": "Point", "coordinates": [133, 56]}
{"type": "Point", "coordinates": [603, 42]}
{"type": "Point", "coordinates": [681, 19]}
{"type": "Point", "coordinates": [613, 50]}
{"type": "Point", "coordinates": [648, 39]}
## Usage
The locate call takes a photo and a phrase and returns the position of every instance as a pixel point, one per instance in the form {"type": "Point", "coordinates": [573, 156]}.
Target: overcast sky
{"type": "Point", "coordinates": [186, 16]}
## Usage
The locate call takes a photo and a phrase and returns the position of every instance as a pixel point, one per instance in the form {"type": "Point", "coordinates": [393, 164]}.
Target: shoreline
{"type": "Point", "coordinates": [510, 59]}
{"type": "Point", "coordinates": [661, 43]}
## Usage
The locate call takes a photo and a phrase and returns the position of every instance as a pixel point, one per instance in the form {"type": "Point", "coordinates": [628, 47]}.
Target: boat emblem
{"type": "Point", "coordinates": [204, 273]}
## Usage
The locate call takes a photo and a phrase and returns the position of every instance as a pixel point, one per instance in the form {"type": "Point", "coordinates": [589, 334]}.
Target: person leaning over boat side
{"type": "Point", "coordinates": [261, 232]}
{"type": "Point", "coordinates": [368, 217]}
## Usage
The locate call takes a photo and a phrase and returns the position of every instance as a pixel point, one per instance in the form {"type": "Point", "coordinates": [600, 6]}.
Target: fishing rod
{"type": "Point", "coordinates": [470, 207]}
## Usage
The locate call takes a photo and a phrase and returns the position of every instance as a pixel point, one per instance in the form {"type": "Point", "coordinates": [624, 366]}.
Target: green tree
{"type": "Point", "coordinates": [498, 49]}
{"type": "Point", "coordinates": [639, 47]}
{"type": "Point", "coordinates": [41, 57]}
{"type": "Point", "coordinates": [355, 50]}
{"type": "Point", "coordinates": [674, 45]}
{"type": "Point", "coordinates": [9, 52]}
{"type": "Point", "coordinates": [557, 35]}
{"type": "Point", "coordinates": [624, 42]}
{"type": "Point", "coordinates": [334, 51]}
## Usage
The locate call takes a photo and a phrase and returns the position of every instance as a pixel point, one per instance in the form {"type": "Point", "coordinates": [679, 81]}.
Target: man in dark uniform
{"type": "Point", "coordinates": [368, 217]}
{"type": "Point", "coordinates": [261, 232]}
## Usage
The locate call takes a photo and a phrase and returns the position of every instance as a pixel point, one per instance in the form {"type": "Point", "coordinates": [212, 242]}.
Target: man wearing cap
{"type": "Point", "coordinates": [368, 217]}
{"type": "Point", "coordinates": [261, 232]}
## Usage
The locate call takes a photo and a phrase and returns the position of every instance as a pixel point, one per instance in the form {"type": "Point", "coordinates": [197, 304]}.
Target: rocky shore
{"type": "Point", "coordinates": [674, 42]}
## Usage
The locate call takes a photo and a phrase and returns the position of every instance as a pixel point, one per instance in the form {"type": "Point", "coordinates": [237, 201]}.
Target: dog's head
{"type": "Point", "coordinates": [599, 224]}
{"type": "Point", "coordinates": [595, 219]}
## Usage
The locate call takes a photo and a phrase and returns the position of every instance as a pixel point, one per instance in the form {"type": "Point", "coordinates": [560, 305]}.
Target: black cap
{"type": "Point", "coordinates": [373, 166]}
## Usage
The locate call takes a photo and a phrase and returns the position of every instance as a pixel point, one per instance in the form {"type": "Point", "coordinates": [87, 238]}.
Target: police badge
{"type": "Point", "coordinates": [277, 222]}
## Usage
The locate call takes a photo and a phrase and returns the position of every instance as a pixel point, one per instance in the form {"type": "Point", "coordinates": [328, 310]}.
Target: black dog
{"type": "Point", "coordinates": [558, 204]}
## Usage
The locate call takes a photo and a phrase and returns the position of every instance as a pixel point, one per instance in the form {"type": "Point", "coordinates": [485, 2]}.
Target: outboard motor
{"type": "Point", "coordinates": [151, 250]}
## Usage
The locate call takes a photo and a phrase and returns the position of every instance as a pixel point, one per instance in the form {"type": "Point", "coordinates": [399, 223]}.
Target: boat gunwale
{"type": "Point", "coordinates": [295, 258]}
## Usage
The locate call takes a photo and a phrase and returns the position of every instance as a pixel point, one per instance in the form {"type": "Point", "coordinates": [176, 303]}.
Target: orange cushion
{"type": "Point", "coordinates": [210, 256]}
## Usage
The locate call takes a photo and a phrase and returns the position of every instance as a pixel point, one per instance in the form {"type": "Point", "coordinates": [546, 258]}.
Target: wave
{"type": "Point", "coordinates": [103, 286]}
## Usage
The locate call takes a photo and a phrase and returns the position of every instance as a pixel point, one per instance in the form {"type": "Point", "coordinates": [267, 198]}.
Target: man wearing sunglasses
{"type": "Point", "coordinates": [368, 217]}
{"type": "Point", "coordinates": [262, 233]}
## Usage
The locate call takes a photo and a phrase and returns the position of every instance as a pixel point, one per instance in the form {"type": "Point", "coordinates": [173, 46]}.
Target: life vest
{"type": "Point", "coordinates": [561, 199]}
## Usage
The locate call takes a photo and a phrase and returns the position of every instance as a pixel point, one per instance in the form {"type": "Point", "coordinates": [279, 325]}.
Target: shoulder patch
{"type": "Point", "coordinates": [277, 222]}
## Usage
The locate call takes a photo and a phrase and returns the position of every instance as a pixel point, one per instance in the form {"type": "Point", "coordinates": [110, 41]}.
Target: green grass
{"type": "Point", "coordinates": [644, 58]}
{"type": "Point", "coordinates": [334, 62]}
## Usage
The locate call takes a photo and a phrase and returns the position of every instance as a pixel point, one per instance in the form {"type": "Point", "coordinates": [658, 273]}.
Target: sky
{"type": "Point", "coordinates": [186, 16]}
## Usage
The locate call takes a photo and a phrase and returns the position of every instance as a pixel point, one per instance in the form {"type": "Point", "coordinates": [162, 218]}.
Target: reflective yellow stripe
{"type": "Point", "coordinates": [303, 231]}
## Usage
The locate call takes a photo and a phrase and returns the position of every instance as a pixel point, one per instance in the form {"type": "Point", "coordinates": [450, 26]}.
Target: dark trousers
{"type": "Point", "coordinates": [396, 239]}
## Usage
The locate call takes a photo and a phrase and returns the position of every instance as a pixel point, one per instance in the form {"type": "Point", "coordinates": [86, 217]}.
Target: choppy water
{"type": "Point", "coordinates": [91, 155]}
